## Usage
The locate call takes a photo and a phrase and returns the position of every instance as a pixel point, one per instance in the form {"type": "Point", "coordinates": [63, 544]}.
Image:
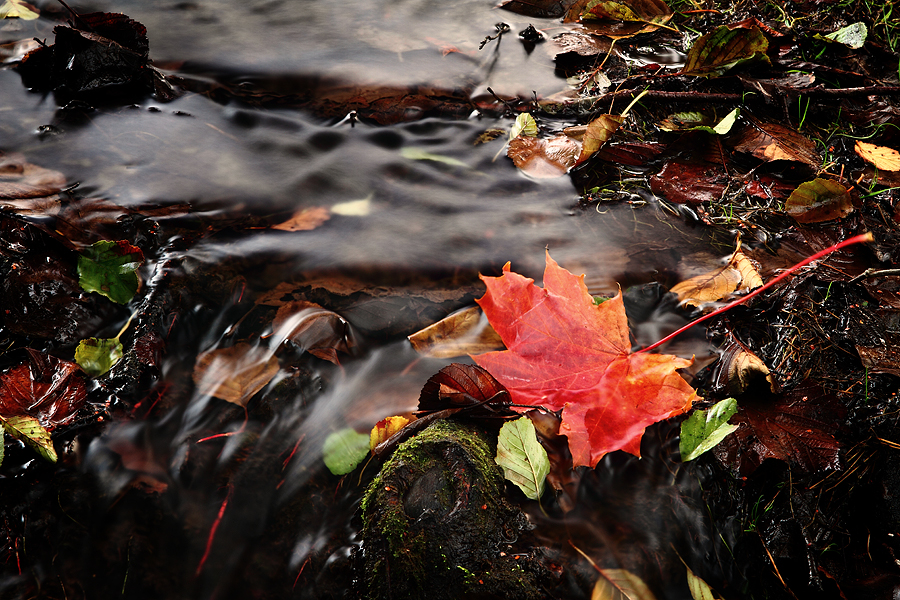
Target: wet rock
{"type": "Point", "coordinates": [437, 525]}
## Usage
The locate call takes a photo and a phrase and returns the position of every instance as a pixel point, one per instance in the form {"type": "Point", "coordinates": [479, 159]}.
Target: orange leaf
{"type": "Point", "coordinates": [884, 158]}
{"type": "Point", "coordinates": [305, 219]}
{"type": "Point", "coordinates": [543, 158]}
{"type": "Point", "coordinates": [598, 132]}
{"type": "Point", "coordinates": [567, 353]}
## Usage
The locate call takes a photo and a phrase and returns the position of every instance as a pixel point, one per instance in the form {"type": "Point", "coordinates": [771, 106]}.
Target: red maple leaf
{"type": "Point", "coordinates": [565, 352]}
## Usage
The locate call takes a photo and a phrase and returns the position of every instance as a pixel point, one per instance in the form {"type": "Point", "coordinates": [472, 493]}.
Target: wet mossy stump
{"type": "Point", "coordinates": [436, 523]}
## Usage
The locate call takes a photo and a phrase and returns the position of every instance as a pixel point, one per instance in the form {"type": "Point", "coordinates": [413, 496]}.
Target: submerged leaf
{"type": "Point", "coordinates": [305, 219]}
{"type": "Point", "coordinates": [543, 158]}
{"type": "Point", "coordinates": [44, 387]}
{"type": "Point", "coordinates": [343, 450]}
{"type": "Point", "coordinates": [819, 200]}
{"type": "Point", "coordinates": [419, 154]}
{"type": "Point", "coordinates": [96, 356]}
{"type": "Point", "coordinates": [620, 584]}
{"type": "Point", "coordinates": [882, 157]}
{"type": "Point", "coordinates": [109, 268]}
{"type": "Point", "coordinates": [720, 50]}
{"type": "Point", "coordinates": [568, 353]}
{"type": "Point", "coordinates": [313, 329]}
{"type": "Point", "coordinates": [463, 332]}
{"type": "Point", "coordinates": [30, 431]}
{"type": "Point", "coordinates": [235, 374]}
{"type": "Point", "coordinates": [523, 460]}
{"type": "Point", "coordinates": [706, 428]}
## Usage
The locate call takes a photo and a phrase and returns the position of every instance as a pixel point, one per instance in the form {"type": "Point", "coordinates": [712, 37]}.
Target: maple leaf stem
{"type": "Point", "coordinates": [864, 237]}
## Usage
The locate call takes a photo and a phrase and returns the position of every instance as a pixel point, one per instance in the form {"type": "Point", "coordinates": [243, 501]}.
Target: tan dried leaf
{"type": "Point", "coordinates": [463, 332]}
{"type": "Point", "coordinates": [235, 374]}
{"type": "Point", "coordinates": [884, 158]}
{"type": "Point", "coordinates": [738, 274]}
{"type": "Point", "coordinates": [305, 219]}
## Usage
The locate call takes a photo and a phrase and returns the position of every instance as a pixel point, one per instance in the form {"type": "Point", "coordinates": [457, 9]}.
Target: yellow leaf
{"type": "Point", "coordinates": [12, 9]}
{"type": "Point", "coordinates": [384, 429]}
{"type": "Point", "coordinates": [598, 132]}
{"type": "Point", "coordinates": [884, 158]}
{"type": "Point", "coordinates": [619, 584]}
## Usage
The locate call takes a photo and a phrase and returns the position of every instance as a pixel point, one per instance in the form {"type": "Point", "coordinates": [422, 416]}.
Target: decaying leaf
{"type": "Point", "coordinates": [305, 219]}
{"type": "Point", "coordinates": [463, 332]}
{"type": "Point", "coordinates": [236, 373]}
{"type": "Point", "coordinates": [722, 49]}
{"type": "Point", "coordinates": [524, 125]}
{"type": "Point", "coordinates": [743, 367]}
{"type": "Point", "coordinates": [620, 584]}
{"type": "Point", "coordinates": [110, 269]}
{"type": "Point", "coordinates": [568, 353]}
{"type": "Point", "coordinates": [96, 356]}
{"type": "Point", "coordinates": [695, 121]}
{"type": "Point", "coordinates": [598, 132]}
{"type": "Point", "coordinates": [385, 428]}
{"type": "Point", "coordinates": [343, 450]}
{"type": "Point", "coordinates": [772, 141]}
{"type": "Point", "coordinates": [17, 9]}
{"type": "Point", "coordinates": [706, 428]}
{"type": "Point", "coordinates": [882, 157]}
{"type": "Point", "coordinates": [21, 181]}
{"type": "Point", "coordinates": [313, 329]}
{"type": "Point", "coordinates": [654, 12]}
{"type": "Point", "coordinates": [44, 387]}
{"type": "Point", "coordinates": [819, 200]}
{"type": "Point", "coordinates": [737, 274]}
{"type": "Point", "coordinates": [543, 158]}
{"type": "Point", "coordinates": [30, 431]}
{"type": "Point", "coordinates": [523, 460]}
{"type": "Point", "coordinates": [465, 386]}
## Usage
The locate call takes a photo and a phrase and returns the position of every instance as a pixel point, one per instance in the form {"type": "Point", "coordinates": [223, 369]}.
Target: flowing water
{"type": "Point", "coordinates": [417, 211]}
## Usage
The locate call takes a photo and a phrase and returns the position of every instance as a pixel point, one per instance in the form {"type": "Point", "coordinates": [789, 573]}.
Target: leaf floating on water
{"type": "Point", "coordinates": [16, 9]}
{"type": "Point", "coordinates": [30, 431]}
{"type": "Point", "coordinates": [720, 50]}
{"type": "Point", "coordinates": [384, 429]}
{"type": "Point", "coordinates": [882, 157]}
{"type": "Point", "coordinates": [43, 387]}
{"type": "Point", "coordinates": [313, 329]}
{"type": "Point", "coordinates": [772, 141]}
{"type": "Point", "coordinates": [343, 450]}
{"type": "Point", "coordinates": [620, 584]}
{"type": "Point", "coordinates": [305, 219]}
{"type": "Point", "coordinates": [523, 460]}
{"type": "Point", "coordinates": [706, 428]}
{"type": "Point", "coordinates": [235, 374]}
{"type": "Point", "coordinates": [463, 332]}
{"type": "Point", "coordinates": [109, 268]}
{"type": "Point", "coordinates": [524, 125]}
{"type": "Point", "coordinates": [853, 35]}
{"type": "Point", "coordinates": [567, 353]}
{"type": "Point", "coordinates": [819, 200]}
{"type": "Point", "coordinates": [543, 158]}
{"type": "Point", "coordinates": [97, 356]}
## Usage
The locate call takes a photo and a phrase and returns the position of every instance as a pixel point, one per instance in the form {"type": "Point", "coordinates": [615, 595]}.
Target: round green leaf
{"type": "Point", "coordinates": [96, 356]}
{"type": "Point", "coordinates": [108, 268]}
{"type": "Point", "coordinates": [344, 449]}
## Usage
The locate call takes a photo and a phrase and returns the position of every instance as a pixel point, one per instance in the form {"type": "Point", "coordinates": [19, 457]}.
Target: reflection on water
{"type": "Point", "coordinates": [229, 502]}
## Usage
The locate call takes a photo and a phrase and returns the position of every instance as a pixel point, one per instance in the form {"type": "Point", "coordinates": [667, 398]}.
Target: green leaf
{"type": "Point", "coordinates": [523, 459]}
{"type": "Point", "coordinates": [108, 268]}
{"type": "Point", "coordinates": [695, 121]}
{"type": "Point", "coordinates": [716, 52]}
{"type": "Point", "coordinates": [18, 9]}
{"type": "Point", "coordinates": [853, 35]}
{"type": "Point", "coordinates": [30, 431]}
{"type": "Point", "coordinates": [706, 428]}
{"type": "Point", "coordinates": [619, 584]}
{"type": "Point", "coordinates": [96, 356]}
{"type": "Point", "coordinates": [525, 125]}
{"type": "Point", "coordinates": [344, 449]}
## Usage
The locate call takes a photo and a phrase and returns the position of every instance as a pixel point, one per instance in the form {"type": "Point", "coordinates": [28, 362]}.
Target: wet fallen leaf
{"type": "Point", "coordinates": [384, 429]}
{"type": "Point", "coordinates": [30, 431]}
{"type": "Point", "coordinates": [463, 332]}
{"type": "Point", "coordinates": [819, 200]}
{"type": "Point", "coordinates": [852, 36]}
{"type": "Point", "coordinates": [343, 450]}
{"type": "Point", "coordinates": [882, 157]}
{"type": "Point", "coordinates": [689, 181]}
{"type": "Point", "coordinates": [96, 356]}
{"type": "Point", "coordinates": [465, 386]}
{"type": "Point", "coordinates": [694, 121]}
{"type": "Point", "coordinates": [620, 584]}
{"type": "Point", "coordinates": [645, 11]}
{"type": "Point", "coordinates": [419, 154]}
{"type": "Point", "coordinates": [722, 49]}
{"type": "Point", "coordinates": [21, 180]}
{"type": "Point", "coordinates": [523, 460]}
{"type": "Point", "coordinates": [772, 141]}
{"type": "Point", "coordinates": [109, 268]}
{"type": "Point", "coordinates": [543, 9]}
{"type": "Point", "coordinates": [699, 589]}
{"type": "Point", "coordinates": [16, 9]}
{"type": "Point", "coordinates": [742, 367]}
{"type": "Point", "coordinates": [598, 133]}
{"type": "Point", "coordinates": [235, 374]}
{"type": "Point", "coordinates": [44, 387]}
{"type": "Point", "coordinates": [313, 329]}
{"type": "Point", "coordinates": [568, 353]}
{"type": "Point", "coordinates": [737, 274]}
{"type": "Point", "coordinates": [706, 428]}
{"type": "Point", "coordinates": [305, 219]}
{"type": "Point", "coordinates": [524, 125]}
{"type": "Point", "coordinates": [543, 158]}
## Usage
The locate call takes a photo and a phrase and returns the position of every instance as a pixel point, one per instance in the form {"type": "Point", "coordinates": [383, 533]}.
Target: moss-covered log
{"type": "Point", "coordinates": [436, 524]}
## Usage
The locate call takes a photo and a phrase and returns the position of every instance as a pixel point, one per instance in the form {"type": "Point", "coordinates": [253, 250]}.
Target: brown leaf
{"type": "Point", "coordinates": [463, 332]}
{"type": "Point", "coordinates": [543, 158]}
{"type": "Point", "coordinates": [738, 273]}
{"type": "Point", "coordinates": [44, 387]}
{"type": "Point", "coordinates": [542, 9]}
{"type": "Point", "coordinates": [314, 329]}
{"type": "Point", "coordinates": [459, 386]}
{"type": "Point", "coordinates": [305, 219]}
{"type": "Point", "coordinates": [739, 367]}
{"type": "Point", "coordinates": [884, 158]}
{"type": "Point", "coordinates": [598, 132]}
{"type": "Point", "coordinates": [235, 374]}
{"type": "Point", "coordinates": [819, 200]}
{"type": "Point", "coordinates": [798, 427]}
{"type": "Point", "coordinates": [20, 180]}
{"type": "Point", "coordinates": [689, 182]}
{"type": "Point", "coordinates": [714, 53]}
{"type": "Point", "coordinates": [772, 141]}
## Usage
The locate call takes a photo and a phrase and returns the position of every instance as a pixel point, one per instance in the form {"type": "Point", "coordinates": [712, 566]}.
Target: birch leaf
{"type": "Point", "coordinates": [523, 459]}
